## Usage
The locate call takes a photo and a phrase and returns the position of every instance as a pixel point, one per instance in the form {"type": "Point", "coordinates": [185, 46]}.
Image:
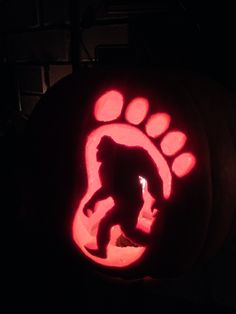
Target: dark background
{"type": "Point", "coordinates": [41, 41]}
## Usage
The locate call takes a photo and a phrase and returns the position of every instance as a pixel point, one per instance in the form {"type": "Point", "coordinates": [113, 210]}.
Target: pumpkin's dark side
{"type": "Point", "coordinates": [198, 217]}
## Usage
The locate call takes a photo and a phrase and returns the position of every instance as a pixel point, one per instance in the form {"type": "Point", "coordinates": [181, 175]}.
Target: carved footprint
{"type": "Point", "coordinates": [153, 134]}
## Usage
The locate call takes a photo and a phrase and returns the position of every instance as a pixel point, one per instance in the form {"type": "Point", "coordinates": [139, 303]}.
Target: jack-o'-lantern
{"type": "Point", "coordinates": [136, 168]}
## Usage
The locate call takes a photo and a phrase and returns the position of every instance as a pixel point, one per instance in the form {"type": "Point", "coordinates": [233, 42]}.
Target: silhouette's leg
{"type": "Point", "coordinates": [137, 236]}
{"type": "Point", "coordinates": [130, 230]}
{"type": "Point", "coordinates": [103, 234]}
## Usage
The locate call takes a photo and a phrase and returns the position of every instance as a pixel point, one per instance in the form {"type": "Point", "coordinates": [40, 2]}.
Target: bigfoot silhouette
{"type": "Point", "coordinates": [119, 172]}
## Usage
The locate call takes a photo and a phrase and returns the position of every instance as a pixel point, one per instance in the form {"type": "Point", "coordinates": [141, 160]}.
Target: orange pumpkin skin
{"type": "Point", "coordinates": [195, 221]}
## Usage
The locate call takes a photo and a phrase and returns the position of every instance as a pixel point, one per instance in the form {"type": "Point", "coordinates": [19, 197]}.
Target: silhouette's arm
{"type": "Point", "coordinates": [154, 184]}
{"type": "Point", "coordinates": [97, 196]}
{"type": "Point", "coordinates": [154, 181]}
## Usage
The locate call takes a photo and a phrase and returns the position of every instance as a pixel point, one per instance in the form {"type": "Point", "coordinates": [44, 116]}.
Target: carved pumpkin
{"type": "Point", "coordinates": [135, 168]}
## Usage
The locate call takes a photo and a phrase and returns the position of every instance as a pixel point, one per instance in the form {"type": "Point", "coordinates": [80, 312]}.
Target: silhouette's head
{"type": "Point", "coordinates": [106, 148]}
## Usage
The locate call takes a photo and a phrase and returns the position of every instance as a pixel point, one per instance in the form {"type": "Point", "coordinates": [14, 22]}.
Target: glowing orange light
{"type": "Point", "coordinates": [85, 227]}
{"type": "Point", "coordinates": [173, 142]}
{"type": "Point", "coordinates": [108, 107]}
{"type": "Point", "coordinates": [137, 110]}
{"type": "Point", "coordinates": [129, 136]}
{"type": "Point", "coordinates": [146, 216]}
{"type": "Point", "coordinates": [157, 124]}
{"type": "Point", "coordinates": [183, 164]}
